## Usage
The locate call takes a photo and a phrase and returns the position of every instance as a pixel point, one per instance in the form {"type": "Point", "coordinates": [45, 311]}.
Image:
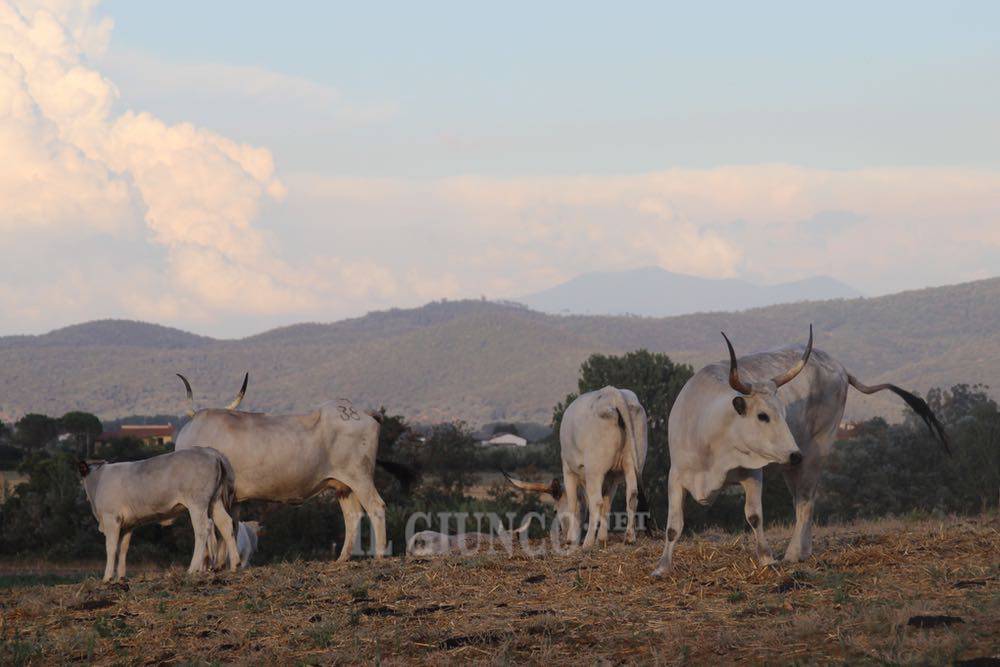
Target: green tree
{"type": "Point", "coordinates": [34, 431]}
{"type": "Point", "coordinates": [656, 380]}
{"type": "Point", "coordinates": [85, 428]}
{"type": "Point", "coordinates": [896, 469]}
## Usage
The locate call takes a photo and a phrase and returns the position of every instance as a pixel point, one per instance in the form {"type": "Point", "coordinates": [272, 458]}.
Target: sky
{"type": "Point", "coordinates": [227, 167]}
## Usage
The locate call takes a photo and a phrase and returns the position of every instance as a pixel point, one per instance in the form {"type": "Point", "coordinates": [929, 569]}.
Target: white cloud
{"type": "Point", "coordinates": [172, 222]}
{"type": "Point", "coordinates": [880, 229]}
{"type": "Point", "coordinates": [71, 163]}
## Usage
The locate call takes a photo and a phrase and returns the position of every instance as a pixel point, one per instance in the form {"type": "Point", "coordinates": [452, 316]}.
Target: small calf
{"type": "Point", "coordinates": [432, 543]}
{"type": "Point", "coordinates": [246, 542]}
{"type": "Point", "coordinates": [125, 495]}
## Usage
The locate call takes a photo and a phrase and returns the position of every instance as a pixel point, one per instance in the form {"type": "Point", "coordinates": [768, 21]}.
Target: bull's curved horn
{"type": "Point", "coordinates": [734, 372]}
{"type": "Point", "coordinates": [190, 395]}
{"type": "Point", "coordinates": [239, 397]}
{"type": "Point", "coordinates": [797, 368]}
{"type": "Point", "coordinates": [536, 487]}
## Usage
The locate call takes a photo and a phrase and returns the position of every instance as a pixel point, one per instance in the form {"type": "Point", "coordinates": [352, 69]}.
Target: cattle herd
{"type": "Point", "coordinates": [729, 421]}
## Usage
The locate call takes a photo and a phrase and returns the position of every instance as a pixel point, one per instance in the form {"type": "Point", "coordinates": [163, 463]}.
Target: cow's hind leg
{"type": "Point", "coordinates": [611, 490]}
{"type": "Point", "coordinates": [375, 509]}
{"type": "Point", "coordinates": [752, 483]}
{"type": "Point", "coordinates": [595, 505]}
{"type": "Point", "coordinates": [228, 550]}
{"type": "Point", "coordinates": [123, 543]}
{"type": "Point", "coordinates": [631, 503]}
{"type": "Point", "coordinates": [803, 481]}
{"type": "Point", "coordinates": [352, 511]}
{"type": "Point", "coordinates": [571, 516]}
{"type": "Point", "coordinates": [675, 524]}
{"type": "Point", "coordinates": [203, 529]}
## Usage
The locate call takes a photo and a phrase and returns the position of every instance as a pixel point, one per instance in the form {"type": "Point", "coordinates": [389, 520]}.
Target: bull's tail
{"type": "Point", "coordinates": [916, 403]}
{"type": "Point", "coordinates": [406, 475]}
{"type": "Point", "coordinates": [625, 416]}
{"type": "Point", "coordinates": [190, 395]}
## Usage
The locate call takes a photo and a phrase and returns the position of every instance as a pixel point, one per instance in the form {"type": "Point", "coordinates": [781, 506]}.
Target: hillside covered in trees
{"type": "Point", "coordinates": [482, 361]}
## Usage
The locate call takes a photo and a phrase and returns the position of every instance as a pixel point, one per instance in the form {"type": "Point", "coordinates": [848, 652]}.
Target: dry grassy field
{"type": "Point", "coordinates": [898, 591]}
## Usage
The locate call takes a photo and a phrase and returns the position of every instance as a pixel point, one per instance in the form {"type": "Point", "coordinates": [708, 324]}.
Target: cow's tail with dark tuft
{"type": "Point", "coordinates": [406, 475]}
{"type": "Point", "coordinates": [916, 404]}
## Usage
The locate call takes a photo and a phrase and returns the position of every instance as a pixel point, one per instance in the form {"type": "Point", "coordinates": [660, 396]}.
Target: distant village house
{"type": "Point", "coordinates": [508, 439]}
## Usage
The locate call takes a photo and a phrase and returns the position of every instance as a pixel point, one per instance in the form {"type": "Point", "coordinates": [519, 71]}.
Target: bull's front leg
{"type": "Point", "coordinates": [802, 481]}
{"type": "Point", "coordinates": [111, 527]}
{"type": "Point", "coordinates": [123, 543]}
{"type": "Point", "coordinates": [675, 524]}
{"type": "Point", "coordinates": [752, 483]}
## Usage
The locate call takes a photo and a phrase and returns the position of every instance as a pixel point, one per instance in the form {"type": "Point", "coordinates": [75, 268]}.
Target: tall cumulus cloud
{"type": "Point", "coordinates": [71, 162]}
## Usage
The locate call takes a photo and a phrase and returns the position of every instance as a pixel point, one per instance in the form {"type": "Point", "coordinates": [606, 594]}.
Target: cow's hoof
{"type": "Point", "coordinates": [660, 572]}
{"type": "Point", "coordinates": [767, 561]}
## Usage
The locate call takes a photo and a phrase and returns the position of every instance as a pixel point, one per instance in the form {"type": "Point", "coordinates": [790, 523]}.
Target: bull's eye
{"type": "Point", "coordinates": [762, 416]}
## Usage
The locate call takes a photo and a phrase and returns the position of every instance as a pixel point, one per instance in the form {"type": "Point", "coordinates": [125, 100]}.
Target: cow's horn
{"type": "Point", "coordinates": [797, 368]}
{"type": "Point", "coordinates": [190, 395]}
{"type": "Point", "coordinates": [537, 487]}
{"type": "Point", "coordinates": [239, 397]}
{"type": "Point", "coordinates": [734, 372]}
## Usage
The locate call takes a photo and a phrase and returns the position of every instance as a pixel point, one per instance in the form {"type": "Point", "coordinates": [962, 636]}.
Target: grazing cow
{"type": "Point", "coordinates": [125, 495]}
{"type": "Point", "coordinates": [431, 543]}
{"type": "Point", "coordinates": [730, 420]}
{"type": "Point", "coordinates": [603, 441]}
{"type": "Point", "coordinates": [290, 458]}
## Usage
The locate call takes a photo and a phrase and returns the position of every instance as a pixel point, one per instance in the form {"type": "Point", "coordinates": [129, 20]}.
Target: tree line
{"type": "Point", "coordinates": [883, 469]}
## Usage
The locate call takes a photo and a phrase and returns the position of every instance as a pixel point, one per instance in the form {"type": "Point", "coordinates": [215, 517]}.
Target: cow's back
{"type": "Point", "coordinates": [284, 458]}
{"type": "Point", "coordinates": [586, 438]}
{"type": "Point", "coordinates": [138, 489]}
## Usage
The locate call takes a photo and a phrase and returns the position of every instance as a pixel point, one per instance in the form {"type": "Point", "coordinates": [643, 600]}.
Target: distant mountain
{"type": "Point", "coordinates": [654, 292]}
{"type": "Point", "coordinates": [482, 361]}
{"type": "Point", "coordinates": [110, 332]}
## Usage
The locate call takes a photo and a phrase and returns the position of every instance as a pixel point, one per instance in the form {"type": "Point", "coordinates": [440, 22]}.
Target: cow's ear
{"type": "Point", "coordinates": [556, 489]}
{"type": "Point", "coordinates": [82, 468]}
{"type": "Point", "coordinates": [740, 405]}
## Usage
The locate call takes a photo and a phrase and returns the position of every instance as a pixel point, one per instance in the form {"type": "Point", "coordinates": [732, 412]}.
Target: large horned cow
{"type": "Point", "coordinates": [731, 420]}
{"type": "Point", "coordinates": [290, 458]}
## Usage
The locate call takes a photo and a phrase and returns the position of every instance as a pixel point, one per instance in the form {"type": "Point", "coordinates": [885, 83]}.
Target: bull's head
{"type": "Point", "coordinates": [756, 427]}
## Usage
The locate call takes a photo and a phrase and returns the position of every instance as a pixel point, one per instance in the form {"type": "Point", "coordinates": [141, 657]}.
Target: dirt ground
{"type": "Point", "coordinates": [898, 591]}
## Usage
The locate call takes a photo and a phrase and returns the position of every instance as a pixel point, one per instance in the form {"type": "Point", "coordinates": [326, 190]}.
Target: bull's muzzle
{"type": "Point", "coordinates": [795, 458]}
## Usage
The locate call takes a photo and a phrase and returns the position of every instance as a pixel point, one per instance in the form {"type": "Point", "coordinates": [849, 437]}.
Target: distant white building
{"type": "Point", "coordinates": [508, 439]}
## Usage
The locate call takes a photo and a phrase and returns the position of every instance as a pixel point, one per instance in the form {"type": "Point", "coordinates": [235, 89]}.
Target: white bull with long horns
{"type": "Point", "coordinates": [290, 458]}
{"type": "Point", "coordinates": [731, 420]}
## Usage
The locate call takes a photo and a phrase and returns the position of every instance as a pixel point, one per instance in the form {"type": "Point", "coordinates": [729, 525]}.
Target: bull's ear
{"type": "Point", "coordinates": [556, 489]}
{"type": "Point", "coordinates": [82, 468]}
{"type": "Point", "coordinates": [740, 405]}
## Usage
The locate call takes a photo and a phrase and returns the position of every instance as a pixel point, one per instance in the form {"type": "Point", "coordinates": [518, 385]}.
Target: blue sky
{"type": "Point", "coordinates": [231, 166]}
{"type": "Point", "coordinates": [589, 88]}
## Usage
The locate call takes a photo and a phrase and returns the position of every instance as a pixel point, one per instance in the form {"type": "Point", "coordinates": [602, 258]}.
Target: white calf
{"type": "Point", "coordinates": [125, 495]}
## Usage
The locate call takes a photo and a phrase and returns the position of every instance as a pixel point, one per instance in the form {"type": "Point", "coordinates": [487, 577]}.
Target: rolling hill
{"type": "Point", "coordinates": [480, 361]}
{"type": "Point", "coordinates": [666, 294]}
